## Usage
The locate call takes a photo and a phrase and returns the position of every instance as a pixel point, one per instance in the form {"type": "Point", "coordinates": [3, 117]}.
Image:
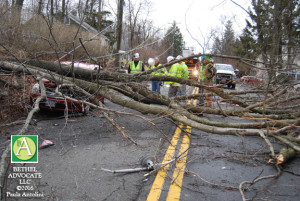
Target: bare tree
{"type": "Point", "coordinates": [100, 7]}
{"type": "Point", "coordinates": [19, 6]}
{"type": "Point", "coordinates": [135, 13]}
{"type": "Point", "coordinates": [119, 29]}
{"type": "Point", "coordinates": [40, 7]}
{"type": "Point", "coordinates": [63, 8]}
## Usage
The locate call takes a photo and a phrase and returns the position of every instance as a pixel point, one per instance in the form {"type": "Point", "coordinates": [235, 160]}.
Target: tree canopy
{"type": "Point", "coordinates": [174, 40]}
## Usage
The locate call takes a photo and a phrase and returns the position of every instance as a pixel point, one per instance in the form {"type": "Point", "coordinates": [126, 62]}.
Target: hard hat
{"type": "Point", "coordinates": [207, 58]}
{"type": "Point", "coordinates": [136, 55]}
{"type": "Point", "coordinates": [179, 57]}
{"type": "Point", "coordinates": [151, 61]}
{"type": "Point", "coordinates": [170, 58]}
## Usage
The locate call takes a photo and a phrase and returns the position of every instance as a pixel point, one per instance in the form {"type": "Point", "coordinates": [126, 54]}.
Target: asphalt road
{"type": "Point", "coordinates": [215, 164]}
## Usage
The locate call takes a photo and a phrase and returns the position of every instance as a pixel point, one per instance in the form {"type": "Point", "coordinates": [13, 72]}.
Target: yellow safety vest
{"type": "Point", "coordinates": [203, 72]}
{"type": "Point", "coordinates": [159, 71]}
{"type": "Point", "coordinates": [185, 71]}
{"type": "Point", "coordinates": [136, 69]}
{"type": "Point", "coordinates": [175, 71]}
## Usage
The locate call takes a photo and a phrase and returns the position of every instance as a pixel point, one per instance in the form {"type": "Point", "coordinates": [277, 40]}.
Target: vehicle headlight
{"type": "Point", "coordinates": [35, 89]}
{"type": "Point", "coordinates": [195, 72]}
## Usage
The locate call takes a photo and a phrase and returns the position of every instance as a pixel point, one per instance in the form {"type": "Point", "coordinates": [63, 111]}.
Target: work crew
{"type": "Point", "coordinates": [207, 74]}
{"type": "Point", "coordinates": [175, 71]}
{"type": "Point", "coordinates": [136, 66]}
{"type": "Point", "coordinates": [184, 74]}
{"type": "Point", "coordinates": [153, 63]}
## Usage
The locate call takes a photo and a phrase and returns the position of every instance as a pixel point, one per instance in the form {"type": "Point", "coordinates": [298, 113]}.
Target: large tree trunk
{"type": "Point", "coordinates": [119, 31]}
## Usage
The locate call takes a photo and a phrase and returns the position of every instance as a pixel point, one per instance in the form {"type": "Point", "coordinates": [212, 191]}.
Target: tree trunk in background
{"type": "Point", "coordinates": [119, 30]}
{"type": "Point", "coordinates": [51, 8]}
{"type": "Point", "coordinates": [277, 35]}
{"type": "Point", "coordinates": [86, 6]}
{"type": "Point", "coordinates": [19, 5]}
{"type": "Point", "coordinates": [40, 7]}
{"type": "Point", "coordinates": [6, 4]}
{"type": "Point", "coordinates": [63, 8]}
{"type": "Point", "coordinates": [100, 15]}
{"type": "Point", "coordinates": [90, 14]}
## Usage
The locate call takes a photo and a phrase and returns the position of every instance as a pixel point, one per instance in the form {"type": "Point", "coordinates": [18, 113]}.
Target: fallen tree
{"type": "Point", "coordinates": [126, 90]}
{"type": "Point", "coordinates": [265, 118]}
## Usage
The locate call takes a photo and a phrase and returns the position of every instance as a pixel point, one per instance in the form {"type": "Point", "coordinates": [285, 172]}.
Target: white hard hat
{"type": "Point", "coordinates": [179, 57]}
{"type": "Point", "coordinates": [151, 61]}
{"type": "Point", "coordinates": [136, 55]}
{"type": "Point", "coordinates": [169, 58]}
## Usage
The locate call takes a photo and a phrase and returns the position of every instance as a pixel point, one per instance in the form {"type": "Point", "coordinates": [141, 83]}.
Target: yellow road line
{"type": "Point", "coordinates": [175, 188]}
{"type": "Point", "coordinates": [159, 181]}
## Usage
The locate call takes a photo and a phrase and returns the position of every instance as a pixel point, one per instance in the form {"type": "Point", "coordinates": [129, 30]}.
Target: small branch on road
{"type": "Point", "coordinates": [257, 179]}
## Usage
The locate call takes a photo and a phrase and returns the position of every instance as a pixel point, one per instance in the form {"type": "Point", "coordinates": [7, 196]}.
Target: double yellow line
{"type": "Point", "coordinates": [176, 183]}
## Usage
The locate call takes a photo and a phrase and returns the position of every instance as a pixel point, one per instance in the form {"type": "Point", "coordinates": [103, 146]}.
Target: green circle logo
{"type": "Point", "coordinates": [24, 148]}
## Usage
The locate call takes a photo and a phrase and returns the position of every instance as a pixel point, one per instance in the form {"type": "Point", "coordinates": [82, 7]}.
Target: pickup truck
{"type": "Point", "coordinates": [225, 75]}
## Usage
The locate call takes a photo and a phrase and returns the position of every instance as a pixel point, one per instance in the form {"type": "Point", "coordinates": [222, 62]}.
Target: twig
{"type": "Point", "coordinates": [253, 182]}
{"type": "Point", "coordinates": [210, 183]}
{"type": "Point", "coordinates": [13, 123]}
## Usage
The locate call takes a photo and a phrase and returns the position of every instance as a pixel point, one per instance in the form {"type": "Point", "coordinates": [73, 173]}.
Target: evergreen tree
{"type": "Point", "coordinates": [248, 46]}
{"type": "Point", "coordinates": [174, 40]}
{"type": "Point", "coordinates": [92, 19]}
{"type": "Point", "coordinates": [227, 45]}
{"type": "Point", "coordinates": [291, 29]}
{"type": "Point", "coordinates": [273, 32]}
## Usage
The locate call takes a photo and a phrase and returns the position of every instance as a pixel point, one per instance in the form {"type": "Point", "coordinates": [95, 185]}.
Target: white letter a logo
{"type": "Point", "coordinates": [26, 147]}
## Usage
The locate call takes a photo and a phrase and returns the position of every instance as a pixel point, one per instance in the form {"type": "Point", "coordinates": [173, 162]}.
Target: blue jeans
{"type": "Point", "coordinates": [156, 86]}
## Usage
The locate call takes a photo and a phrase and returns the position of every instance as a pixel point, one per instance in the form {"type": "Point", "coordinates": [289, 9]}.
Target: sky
{"type": "Point", "coordinates": [196, 18]}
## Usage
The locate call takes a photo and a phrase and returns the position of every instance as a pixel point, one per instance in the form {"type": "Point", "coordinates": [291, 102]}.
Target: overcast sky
{"type": "Point", "coordinates": [199, 17]}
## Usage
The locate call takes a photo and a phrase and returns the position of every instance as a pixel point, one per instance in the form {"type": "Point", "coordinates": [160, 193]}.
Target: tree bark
{"type": "Point", "coordinates": [40, 7]}
{"type": "Point", "coordinates": [19, 6]}
{"type": "Point", "coordinates": [63, 8]}
{"type": "Point", "coordinates": [100, 15]}
{"type": "Point", "coordinates": [119, 31]}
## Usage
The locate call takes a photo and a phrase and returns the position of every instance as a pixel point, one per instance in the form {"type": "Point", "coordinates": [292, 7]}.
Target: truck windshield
{"type": "Point", "coordinates": [224, 67]}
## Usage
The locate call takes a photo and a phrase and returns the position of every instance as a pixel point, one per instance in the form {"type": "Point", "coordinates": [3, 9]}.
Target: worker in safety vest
{"type": "Point", "coordinates": [207, 75]}
{"type": "Point", "coordinates": [136, 66]}
{"type": "Point", "coordinates": [153, 63]}
{"type": "Point", "coordinates": [184, 74]}
{"type": "Point", "coordinates": [175, 71]}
